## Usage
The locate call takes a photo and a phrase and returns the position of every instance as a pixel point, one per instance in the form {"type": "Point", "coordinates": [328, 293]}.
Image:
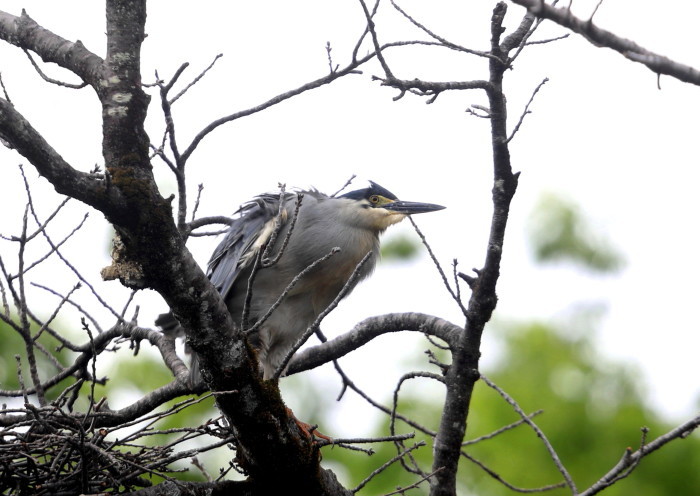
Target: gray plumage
{"type": "Point", "coordinates": [351, 222]}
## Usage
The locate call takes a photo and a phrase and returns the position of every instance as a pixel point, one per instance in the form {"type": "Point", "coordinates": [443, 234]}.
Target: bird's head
{"type": "Point", "coordinates": [377, 208]}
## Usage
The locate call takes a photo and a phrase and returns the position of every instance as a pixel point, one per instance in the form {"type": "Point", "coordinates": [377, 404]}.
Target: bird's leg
{"type": "Point", "coordinates": [308, 429]}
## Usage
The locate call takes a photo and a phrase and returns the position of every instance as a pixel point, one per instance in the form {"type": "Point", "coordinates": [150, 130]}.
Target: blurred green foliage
{"type": "Point", "coordinates": [399, 247]}
{"type": "Point", "coordinates": [558, 230]}
{"type": "Point", "coordinates": [13, 345]}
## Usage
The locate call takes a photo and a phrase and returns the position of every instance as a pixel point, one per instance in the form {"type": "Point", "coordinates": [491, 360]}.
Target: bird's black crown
{"type": "Point", "coordinates": [365, 193]}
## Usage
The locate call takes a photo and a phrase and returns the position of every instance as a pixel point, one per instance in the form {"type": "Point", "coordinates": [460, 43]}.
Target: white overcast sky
{"type": "Point", "coordinates": [601, 134]}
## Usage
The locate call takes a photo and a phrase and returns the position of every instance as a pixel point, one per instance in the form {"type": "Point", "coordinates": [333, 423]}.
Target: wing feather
{"type": "Point", "coordinates": [247, 234]}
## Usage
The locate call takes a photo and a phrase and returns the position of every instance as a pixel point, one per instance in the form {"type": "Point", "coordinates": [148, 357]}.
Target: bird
{"type": "Point", "coordinates": [307, 241]}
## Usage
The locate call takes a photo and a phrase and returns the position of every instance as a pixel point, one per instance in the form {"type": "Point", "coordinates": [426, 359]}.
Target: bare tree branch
{"type": "Point", "coordinates": [602, 38]}
{"type": "Point", "coordinates": [367, 330]}
{"type": "Point", "coordinates": [150, 252]}
{"type": "Point", "coordinates": [25, 33]}
{"type": "Point", "coordinates": [206, 221]}
{"type": "Point", "coordinates": [101, 341]}
{"type": "Point", "coordinates": [463, 372]}
{"type": "Point", "coordinates": [630, 459]}
{"type": "Point", "coordinates": [17, 131]}
{"type": "Point", "coordinates": [350, 69]}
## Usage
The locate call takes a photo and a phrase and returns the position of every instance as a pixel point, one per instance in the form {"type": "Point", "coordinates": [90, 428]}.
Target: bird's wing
{"type": "Point", "coordinates": [247, 234]}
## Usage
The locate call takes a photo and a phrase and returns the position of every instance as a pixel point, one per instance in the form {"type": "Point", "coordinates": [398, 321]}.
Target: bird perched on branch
{"type": "Point", "coordinates": [288, 256]}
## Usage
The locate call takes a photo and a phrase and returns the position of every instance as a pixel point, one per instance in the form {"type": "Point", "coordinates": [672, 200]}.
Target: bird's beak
{"type": "Point", "coordinates": [408, 208]}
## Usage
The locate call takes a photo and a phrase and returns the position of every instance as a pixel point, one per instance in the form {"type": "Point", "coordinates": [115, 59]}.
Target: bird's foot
{"type": "Point", "coordinates": [309, 430]}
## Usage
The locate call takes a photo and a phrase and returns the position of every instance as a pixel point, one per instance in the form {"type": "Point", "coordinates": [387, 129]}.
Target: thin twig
{"type": "Point", "coordinates": [53, 315]}
{"type": "Point", "coordinates": [365, 32]}
{"type": "Point", "coordinates": [330, 59]}
{"type": "Point", "coordinates": [4, 90]}
{"type": "Point", "coordinates": [548, 40]}
{"type": "Point", "coordinates": [245, 313]}
{"type": "Point", "coordinates": [5, 303]}
{"type": "Point", "coordinates": [26, 332]}
{"type": "Point", "coordinates": [84, 312]}
{"type": "Point", "coordinates": [93, 351]}
{"type": "Point", "coordinates": [179, 72]}
{"type": "Point", "coordinates": [289, 287]}
{"type": "Point", "coordinates": [510, 486]}
{"type": "Point", "coordinates": [129, 300]}
{"type": "Point", "coordinates": [195, 80]}
{"type": "Point", "coordinates": [392, 422]}
{"type": "Point", "coordinates": [312, 328]}
{"type": "Point", "coordinates": [395, 404]}
{"type": "Point", "coordinates": [179, 169]}
{"type": "Point", "coordinates": [438, 38]}
{"type": "Point", "coordinates": [347, 183]}
{"type": "Point", "coordinates": [680, 432]}
{"type": "Point", "coordinates": [375, 41]}
{"type": "Point", "coordinates": [351, 68]}
{"type": "Point", "coordinates": [402, 490]}
{"type": "Point", "coordinates": [21, 379]}
{"type": "Point", "coordinates": [262, 256]}
{"type": "Point", "coordinates": [161, 154]}
{"type": "Point", "coordinates": [364, 440]}
{"type": "Point", "coordinates": [200, 187]}
{"type": "Point", "coordinates": [349, 384]}
{"type": "Point", "coordinates": [60, 255]}
{"type": "Point", "coordinates": [458, 290]}
{"type": "Point", "coordinates": [636, 461]}
{"type": "Point", "coordinates": [49, 218]}
{"type": "Point", "coordinates": [439, 267]}
{"type": "Point", "coordinates": [501, 430]}
{"type": "Point", "coordinates": [59, 244]}
{"type": "Point", "coordinates": [526, 110]}
{"type": "Point", "coordinates": [600, 2]}
{"type": "Point", "coordinates": [529, 24]}
{"type": "Point", "coordinates": [552, 452]}
{"type": "Point", "coordinates": [385, 466]}
{"type": "Point", "coordinates": [51, 80]}
{"type": "Point", "coordinates": [266, 262]}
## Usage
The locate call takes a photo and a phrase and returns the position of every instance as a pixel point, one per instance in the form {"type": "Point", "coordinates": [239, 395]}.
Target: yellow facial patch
{"type": "Point", "coordinates": [378, 200]}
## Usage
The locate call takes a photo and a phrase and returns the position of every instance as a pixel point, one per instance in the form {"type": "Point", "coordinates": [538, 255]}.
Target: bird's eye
{"type": "Point", "coordinates": [374, 199]}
